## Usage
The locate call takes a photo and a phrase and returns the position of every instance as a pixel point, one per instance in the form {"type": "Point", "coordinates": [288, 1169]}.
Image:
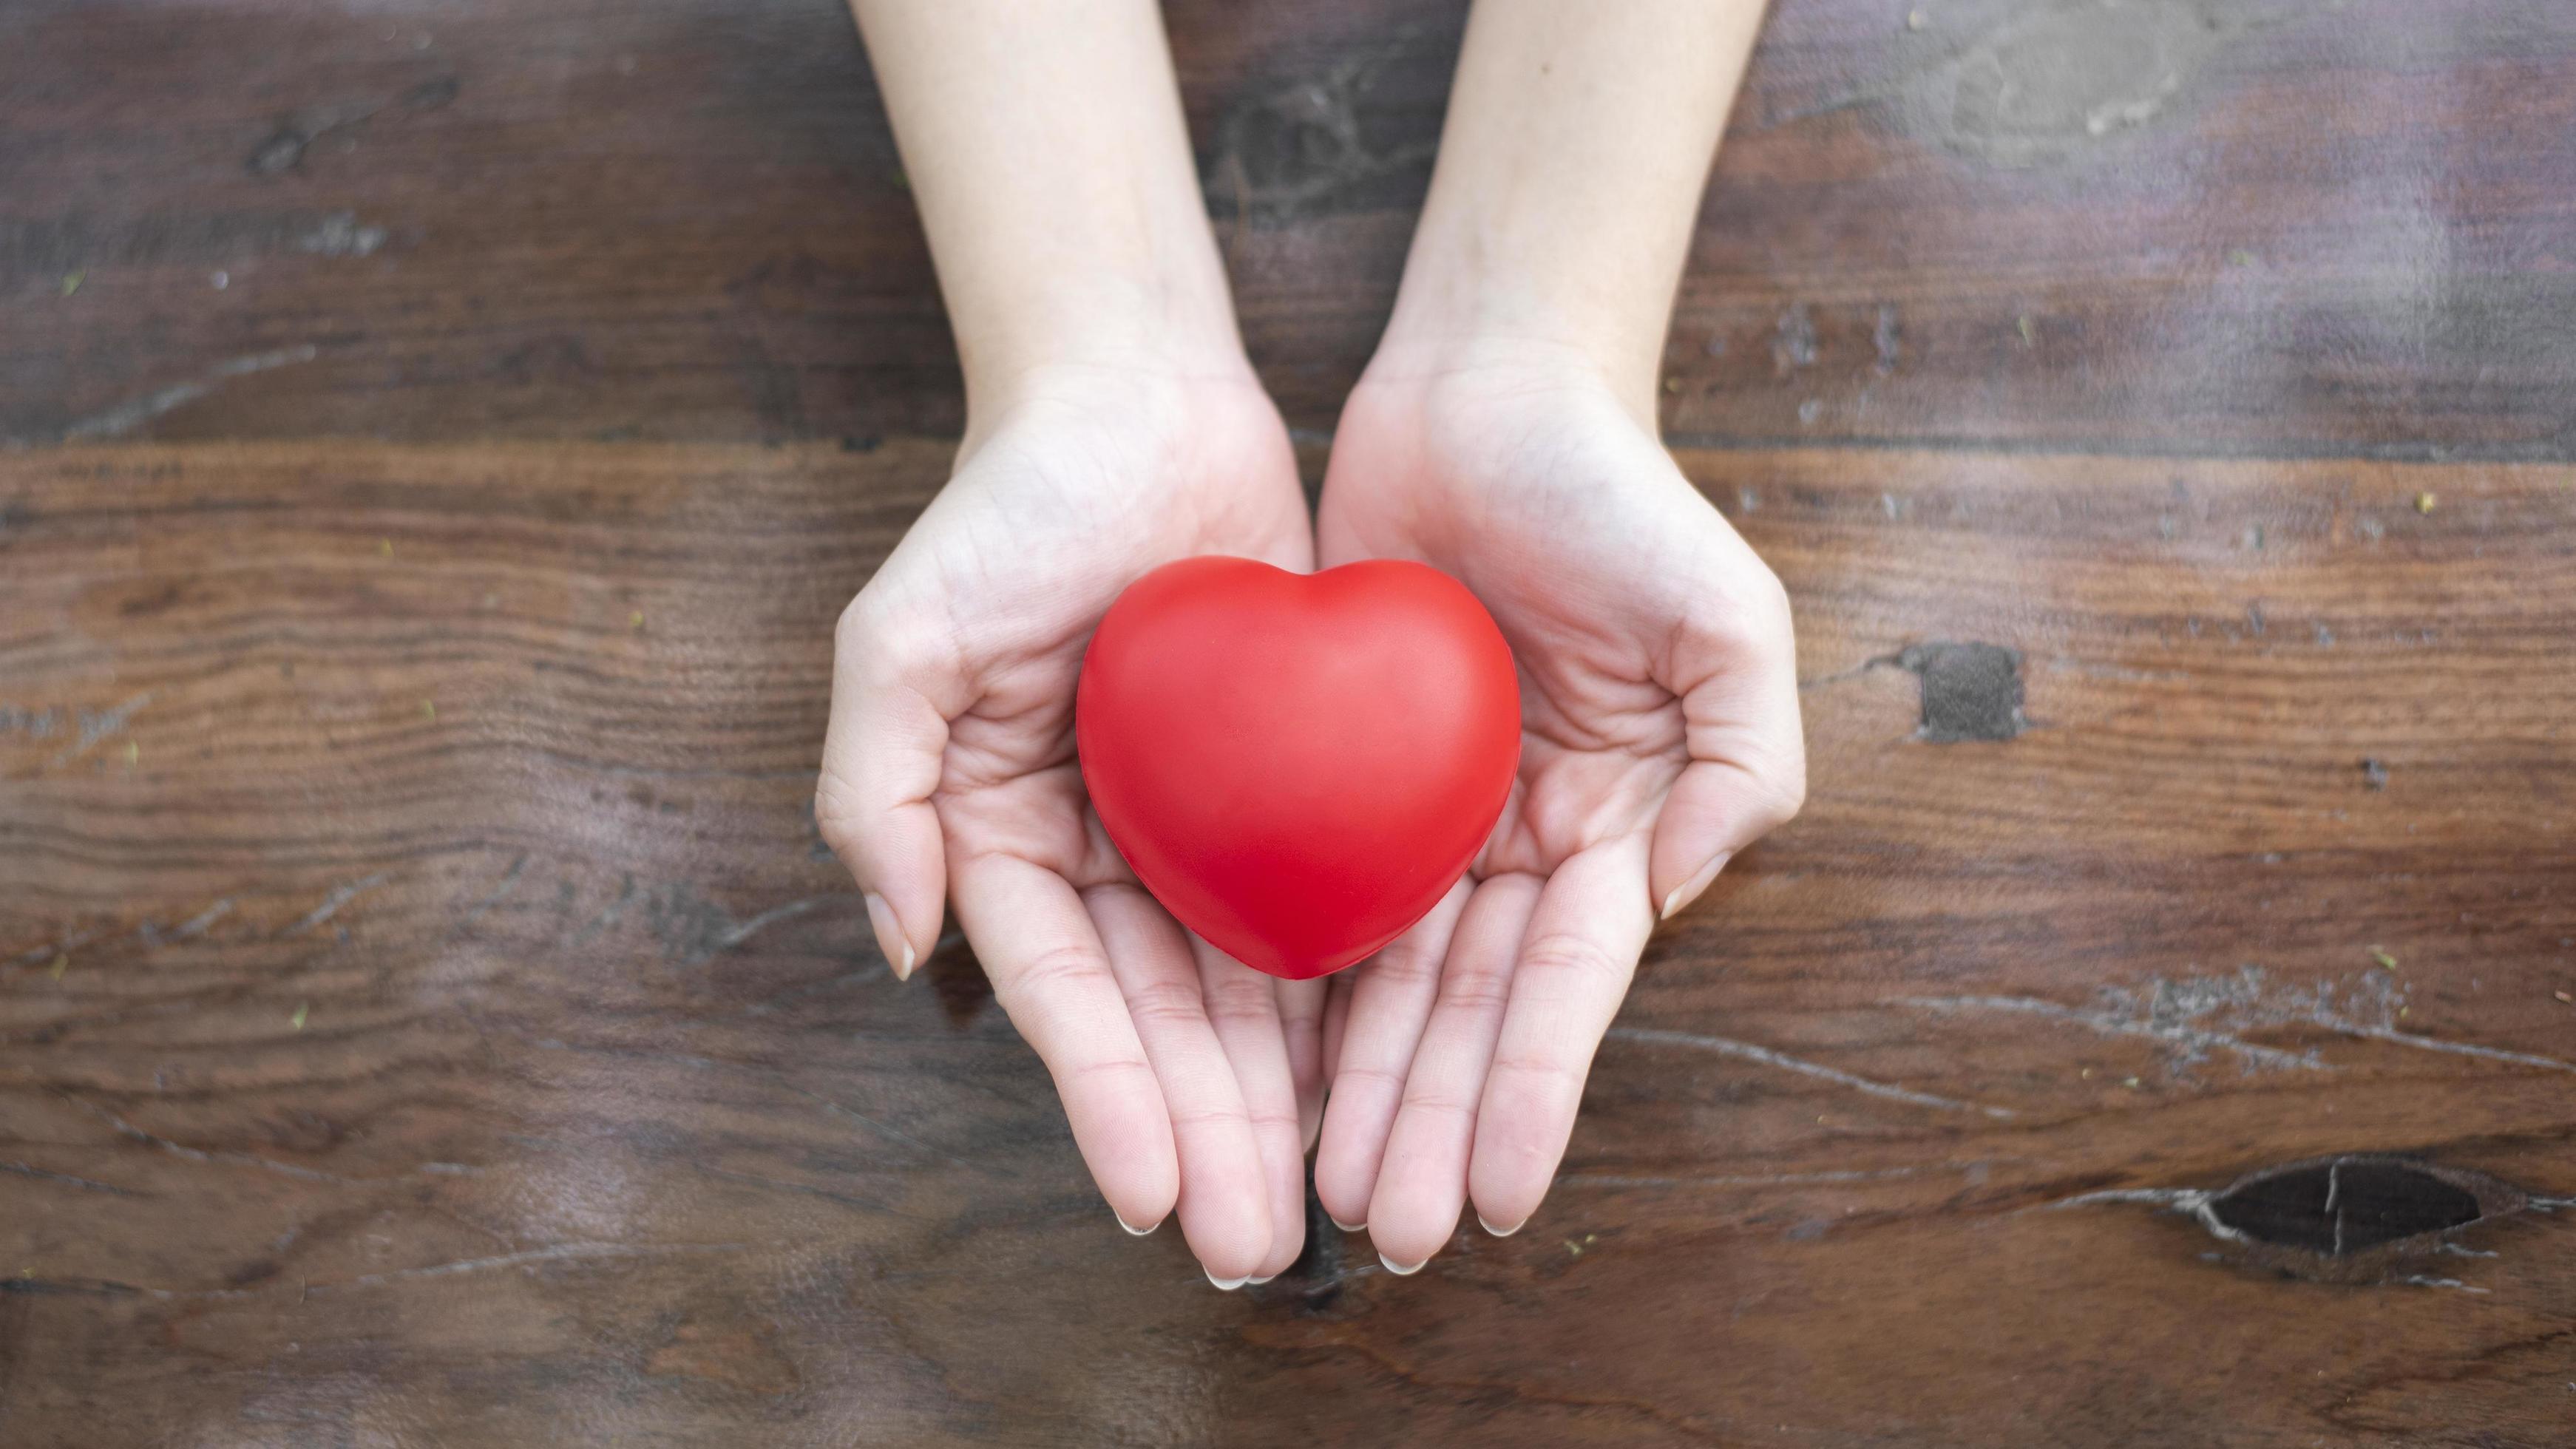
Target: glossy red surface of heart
{"type": "Point", "coordinates": [1298, 766]}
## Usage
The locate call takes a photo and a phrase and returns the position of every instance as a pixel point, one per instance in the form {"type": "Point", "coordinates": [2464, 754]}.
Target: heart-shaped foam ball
{"type": "Point", "coordinates": [1298, 766]}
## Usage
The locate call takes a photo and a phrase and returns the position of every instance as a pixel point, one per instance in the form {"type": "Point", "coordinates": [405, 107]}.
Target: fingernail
{"type": "Point", "coordinates": [1228, 1284]}
{"type": "Point", "coordinates": [1500, 1232]}
{"type": "Point", "coordinates": [1347, 1227]}
{"type": "Point", "coordinates": [1257, 1282]}
{"type": "Point", "coordinates": [1132, 1230]}
{"type": "Point", "coordinates": [891, 939]}
{"type": "Point", "coordinates": [1688, 891]}
{"type": "Point", "coordinates": [1399, 1269]}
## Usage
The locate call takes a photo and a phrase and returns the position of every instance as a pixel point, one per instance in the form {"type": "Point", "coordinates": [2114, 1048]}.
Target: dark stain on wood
{"type": "Point", "coordinates": [1970, 691]}
{"type": "Point", "coordinates": [1317, 1275]}
{"type": "Point", "coordinates": [2352, 1218]}
{"type": "Point", "coordinates": [1354, 134]}
{"type": "Point", "coordinates": [2345, 1206]}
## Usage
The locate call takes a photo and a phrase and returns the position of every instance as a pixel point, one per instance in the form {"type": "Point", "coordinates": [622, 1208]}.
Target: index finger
{"type": "Point", "coordinates": [1576, 960]}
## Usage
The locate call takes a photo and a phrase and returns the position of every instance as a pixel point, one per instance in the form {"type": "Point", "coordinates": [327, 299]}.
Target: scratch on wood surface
{"type": "Point", "coordinates": [1725, 1046]}
{"type": "Point", "coordinates": [558, 1253]}
{"type": "Point", "coordinates": [2192, 1202]}
{"type": "Point", "coordinates": [2197, 1015]}
{"type": "Point", "coordinates": [1778, 1179]}
{"type": "Point", "coordinates": [33, 723]}
{"type": "Point", "coordinates": [509, 879]}
{"type": "Point", "coordinates": [199, 1154]}
{"type": "Point", "coordinates": [2192, 1043]}
{"type": "Point", "coordinates": [331, 905]}
{"type": "Point", "coordinates": [63, 946]}
{"type": "Point", "coordinates": [197, 924]}
{"type": "Point", "coordinates": [2423, 1281]}
{"type": "Point", "coordinates": [608, 917]}
{"type": "Point", "coordinates": [133, 413]}
{"type": "Point", "coordinates": [66, 1179]}
{"type": "Point", "coordinates": [2456, 1048]}
{"type": "Point", "coordinates": [304, 1289]}
{"type": "Point", "coordinates": [97, 725]}
{"type": "Point", "coordinates": [695, 929]}
{"type": "Point", "coordinates": [152, 937]}
{"type": "Point", "coordinates": [744, 932]}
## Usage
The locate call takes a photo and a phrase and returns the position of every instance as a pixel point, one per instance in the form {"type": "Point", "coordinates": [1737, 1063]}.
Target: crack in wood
{"type": "Point", "coordinates": [1725, 1046]}
{"type": "Point", "coordinates": [2352, 1218]}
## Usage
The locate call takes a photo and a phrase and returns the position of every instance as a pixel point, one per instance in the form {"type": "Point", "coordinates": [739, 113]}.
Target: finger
{"type": "Point", "coordinates": [1575, 964]}
{"type": "Point", "coordinates": [1224, 1193]}
{"type": "Point", "coordinates": [1389, 1003]}
{"type": "Point", "coordinates": [1422, 1181]}
{"type": "Point", "coordinates": [1245, 1012]}
{"type": "Point", "coordinates": [1301, 1025]}
{"type": "Point", "coordinates": [1735, 671]}
{"type": "Point", "coordinates": [1337, 1021]}
{"type": "Point", "coordinates": [881, 762]}
{"type": "Point", "coordinates": [1050, 973]}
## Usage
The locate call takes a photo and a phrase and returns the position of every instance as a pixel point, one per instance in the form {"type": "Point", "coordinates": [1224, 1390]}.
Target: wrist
{"type": "Point", "coordinates": [1461, 323]}
{"type": "Point", "coordinates": [1435, 362]}
{"type": "Point", "coordinates": [1168, 400]}
{"type": "Point", "coordinates": [1116, 339]}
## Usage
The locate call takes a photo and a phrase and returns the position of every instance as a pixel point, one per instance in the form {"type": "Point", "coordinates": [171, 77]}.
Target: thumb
{"type": "Point", "coordinates": [881, 764]}
{"type": "Point", "coordinates": [1747, 775]}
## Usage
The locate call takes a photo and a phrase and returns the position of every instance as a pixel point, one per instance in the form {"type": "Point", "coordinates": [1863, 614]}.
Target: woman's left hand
{"type": "Point", "coordinates": [1660, 736]}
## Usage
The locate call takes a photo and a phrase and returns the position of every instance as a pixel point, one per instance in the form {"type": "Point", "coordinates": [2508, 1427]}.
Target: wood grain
{"type": "Point", "coordinates": [429, 1016]}
{"type": "Point", "coordinates": [2272, 227]}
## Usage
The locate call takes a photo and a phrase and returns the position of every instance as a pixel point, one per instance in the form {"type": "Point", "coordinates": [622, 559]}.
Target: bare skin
{"type": "Point", "coordinates": [1504, 433]}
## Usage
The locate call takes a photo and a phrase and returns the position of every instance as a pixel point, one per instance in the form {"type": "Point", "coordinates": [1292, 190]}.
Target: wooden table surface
{"type": "Point", "coordinates": [440, 433]}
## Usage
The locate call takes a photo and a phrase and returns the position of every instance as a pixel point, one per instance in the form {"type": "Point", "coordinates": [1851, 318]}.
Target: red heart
{"type": "Point", "coordinates": [1298, 766]}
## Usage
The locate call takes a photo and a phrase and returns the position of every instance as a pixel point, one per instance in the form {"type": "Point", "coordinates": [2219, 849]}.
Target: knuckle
{"type": "Point", "coordinates": [1748, 620]}
{"type": "Point", "coordinates": [1165, 1003]}
{"type": "Point", "coordinates": [1238, 1000]}
{"type": "Point", "coordinates": [1780, 793]}
{"type": "Point", "coordinates": [882, 642]}
{"type": "Point", "coordinates": [1768, 596]}
{"type": "Point", "coordinates": [1219, 1115]}
{"type": "Point", "coordinates": [836, 807]}
{"type": "Point", "coordinates": [1439, 1101]}
{"type": "Point", "coordinates": [1060, 968]}
{"type": "Point", "coordinates": [1405, 966]}
{"type": "Point", "coordinates": [1564, 952]}
{"type": "Point", "coordinates": [839, 818]}
{"type": "Point", "coordinates": [856, 631]}
{"type": "Point", "coordinates": [1550, 1080]}
{"type": "Point", "coordinates": [1476, 989]}
{"type": "Point", "coordinates": [1105, 1070]}
{"type": "Point", "coordinates": [1365, 1074]}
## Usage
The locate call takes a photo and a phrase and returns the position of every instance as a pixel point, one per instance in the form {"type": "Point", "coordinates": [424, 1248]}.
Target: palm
{"type": "Point", "coordinates": [951, 771]}
{"type": "Point", "coordinates": [1654, 686]}
{"type": "Point", "coordinates": [1019, 557]}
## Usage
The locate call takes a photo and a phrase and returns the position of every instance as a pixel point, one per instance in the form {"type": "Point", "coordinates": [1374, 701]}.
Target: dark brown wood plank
{"type": "Point", "coordinates": [2174, 226]}
{"type": "Point", "coordinates": [428, 1015]}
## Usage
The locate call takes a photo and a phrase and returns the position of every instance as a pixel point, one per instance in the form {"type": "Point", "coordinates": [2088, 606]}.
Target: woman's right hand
{"type": "Point", "coordinates": [949, 773]}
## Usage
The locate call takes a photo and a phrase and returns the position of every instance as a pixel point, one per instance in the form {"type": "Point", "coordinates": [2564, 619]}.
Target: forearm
{"type": "Point", "coordinates": [1046, 149]}
{"type": "Point", "coordinates": [1571, 165]}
